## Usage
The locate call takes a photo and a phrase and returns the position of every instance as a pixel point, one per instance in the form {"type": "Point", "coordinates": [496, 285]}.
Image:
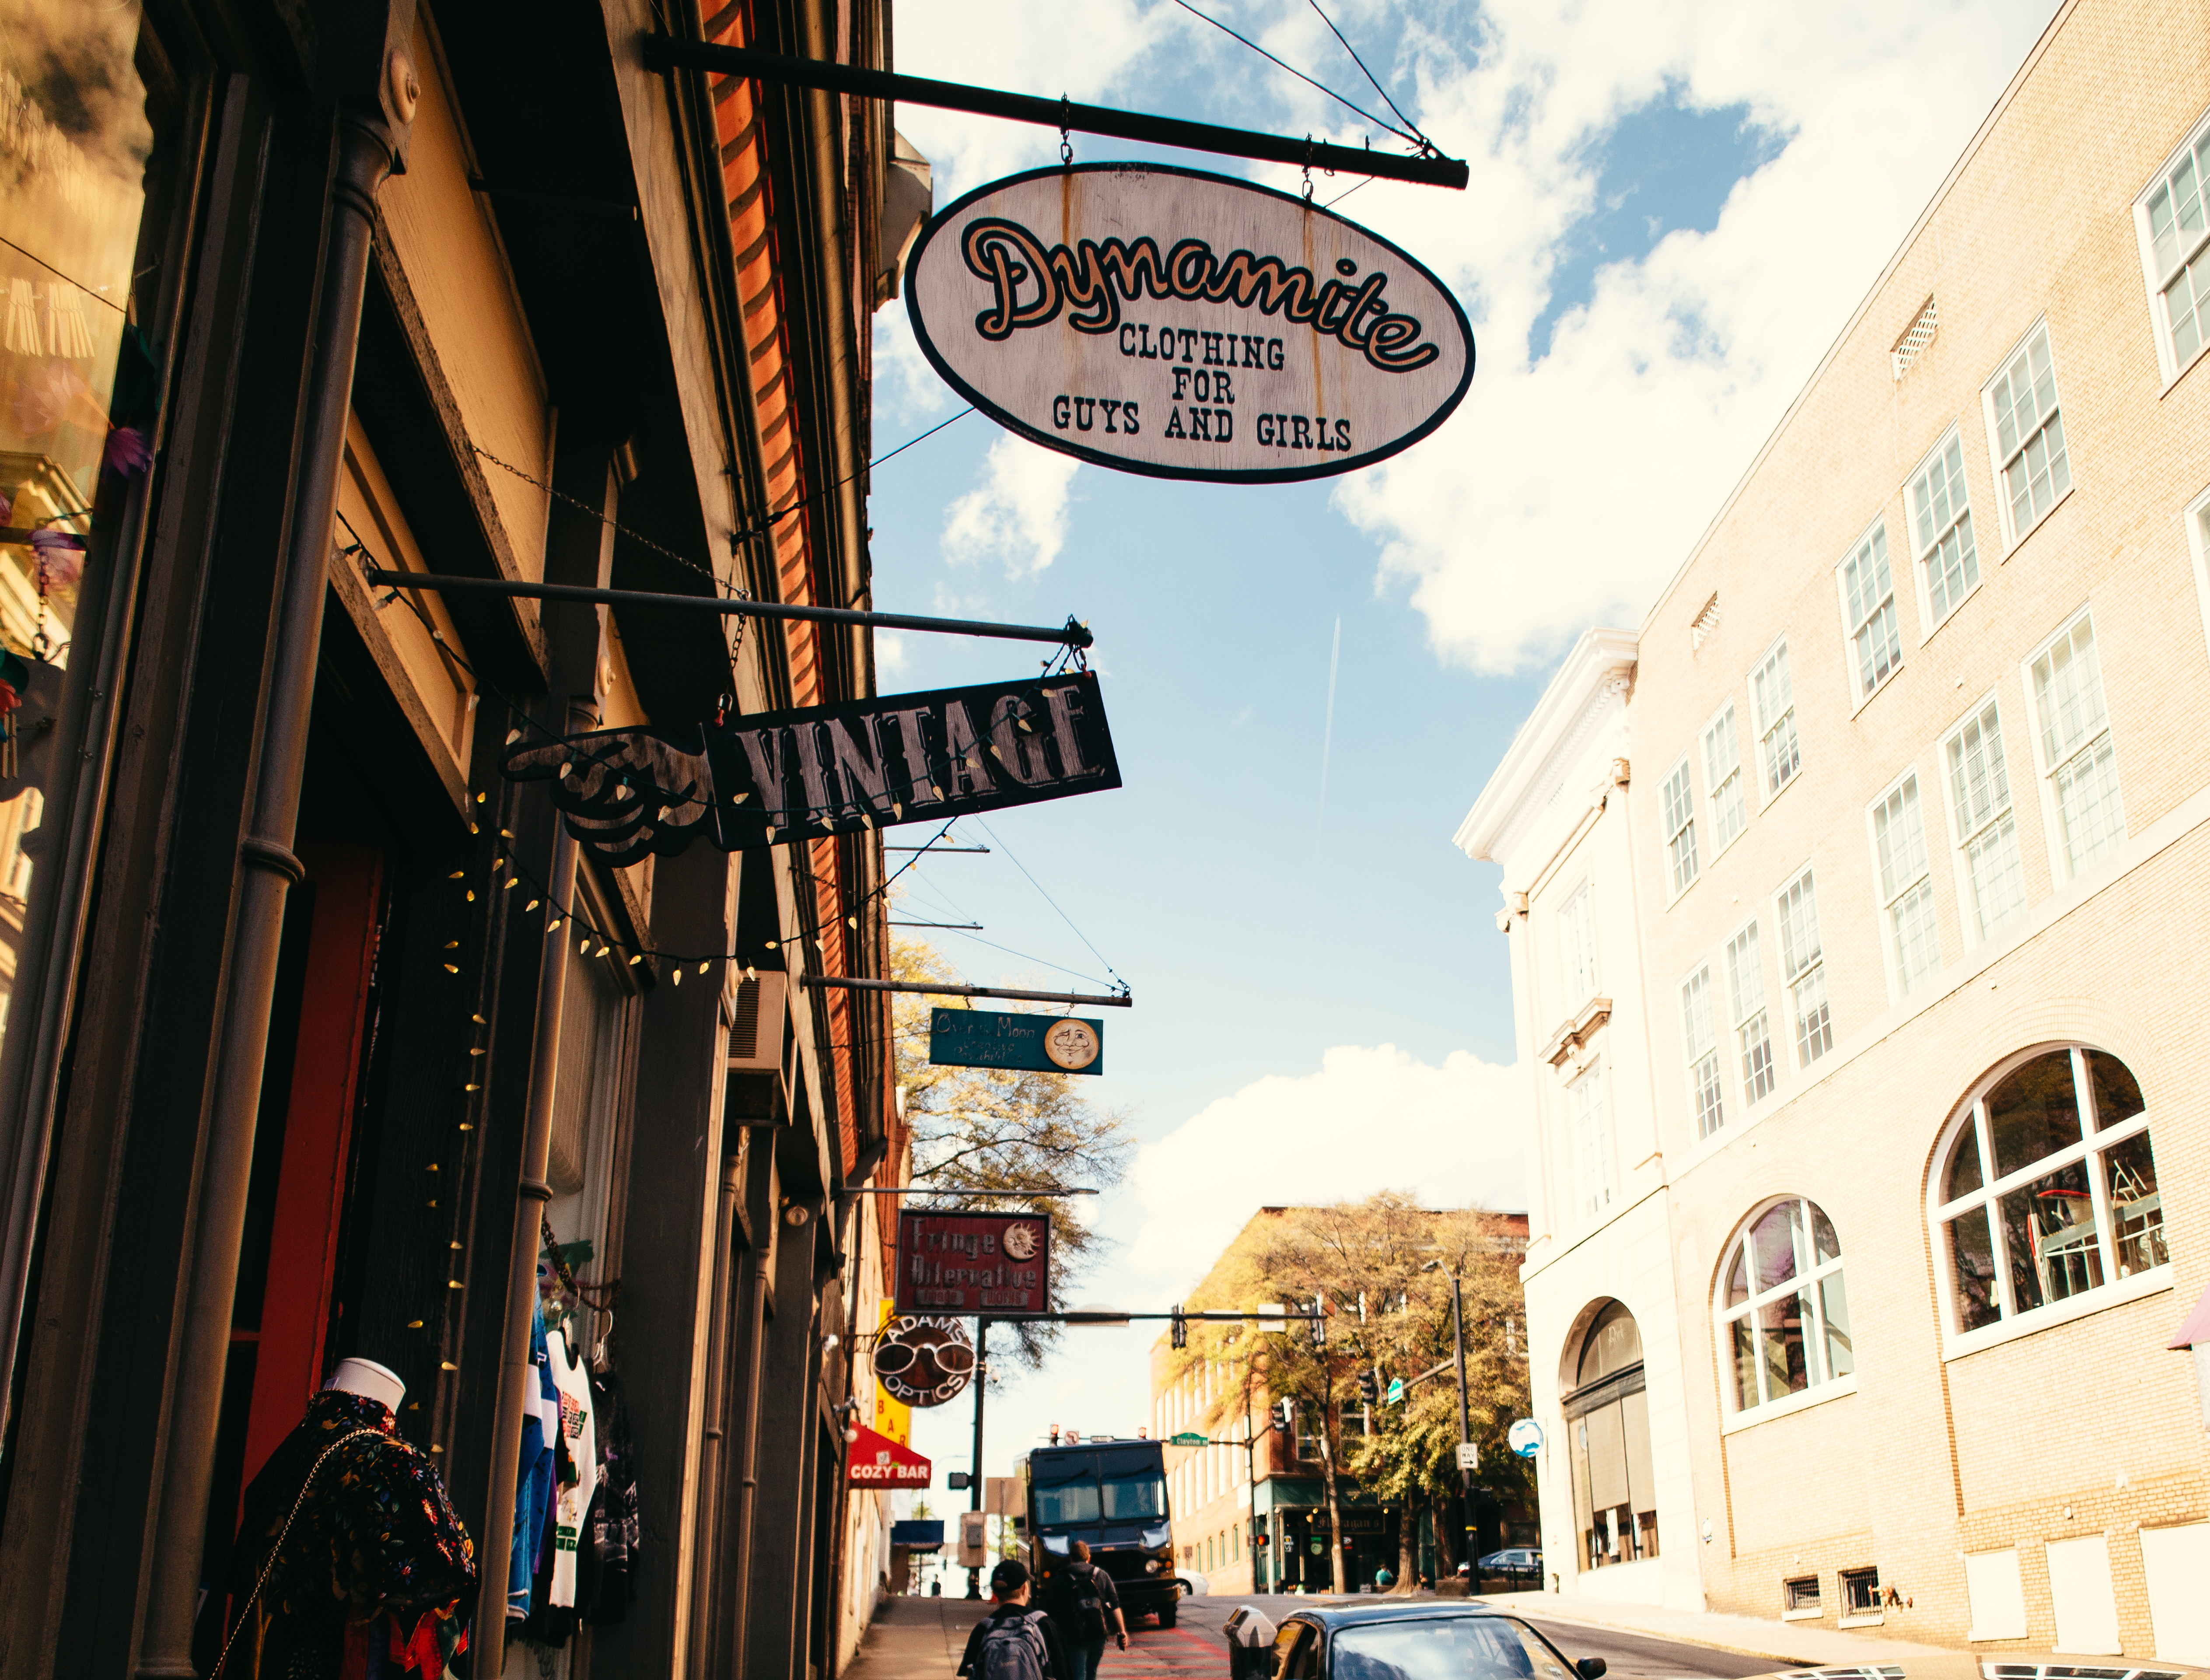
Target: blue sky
{"type": "Point", "coordinates": [1674, 206]}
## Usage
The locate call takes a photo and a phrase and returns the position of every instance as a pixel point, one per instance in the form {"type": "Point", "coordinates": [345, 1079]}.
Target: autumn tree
{"type": "Point", "coordinates": [1379, 1273]}
{"type": "Point", "coordinates": [994, 1128]}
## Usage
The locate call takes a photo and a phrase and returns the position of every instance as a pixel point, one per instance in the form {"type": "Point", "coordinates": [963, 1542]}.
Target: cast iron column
{"type": "Point", "coordinates": [974, 1475]}
{"type": "Point", "coordinates": [268, 872]}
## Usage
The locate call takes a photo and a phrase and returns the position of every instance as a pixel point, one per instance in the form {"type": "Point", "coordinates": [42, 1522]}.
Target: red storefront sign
{"type": "Point", "coordinates": [877, 1461]}
{"type": "Point", "coordinates": [978, 1263]}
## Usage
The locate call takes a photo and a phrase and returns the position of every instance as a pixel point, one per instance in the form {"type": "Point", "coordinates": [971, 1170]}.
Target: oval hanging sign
{"type": "Point", "coordinates": [1186, 326]}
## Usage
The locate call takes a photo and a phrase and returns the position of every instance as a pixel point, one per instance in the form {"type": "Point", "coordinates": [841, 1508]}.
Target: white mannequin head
{"type": "Point", "coordinates": [367, 1378]}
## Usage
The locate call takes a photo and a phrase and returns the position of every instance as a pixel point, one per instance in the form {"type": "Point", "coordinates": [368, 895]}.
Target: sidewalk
{"type": "Point", "coordinates": [1789, 1644]}
{"type": "Point", "coordinates": [915, 1639]}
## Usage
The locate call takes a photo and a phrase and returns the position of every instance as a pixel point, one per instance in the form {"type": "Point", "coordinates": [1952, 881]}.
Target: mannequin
{"type": "Point", "coordinates": [347, 1546]}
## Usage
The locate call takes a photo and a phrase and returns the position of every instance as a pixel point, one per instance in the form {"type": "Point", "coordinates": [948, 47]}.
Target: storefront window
{"type": "Point", "coordinates": [87, 105]}
{"type": "Point", "coordinates": [1607, 1435]}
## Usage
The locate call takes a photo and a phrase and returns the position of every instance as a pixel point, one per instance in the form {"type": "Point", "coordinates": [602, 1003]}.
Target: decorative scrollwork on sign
{"type": "Point", "coordinates": [626, 793]}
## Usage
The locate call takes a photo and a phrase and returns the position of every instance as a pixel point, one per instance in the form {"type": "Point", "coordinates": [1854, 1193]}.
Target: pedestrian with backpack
{"type": "Point", "coordinates": [1087, 1607]}
{"type": "Point", "coordinates": [1014, 1642]}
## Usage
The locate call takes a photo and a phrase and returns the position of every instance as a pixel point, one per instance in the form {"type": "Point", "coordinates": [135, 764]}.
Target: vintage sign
{"type": "Point", "coordinates": [1001, 1038]}
{"type": "Point", "coordinates": [877, 1461]}
{"type": "Point", "coordinates": [973, 1263]}
{"type": "Point", "coordinates": [1186, 326]}
{"type": "Point", "coordinates": [924, 1361]}
{"type": "Point", "coordinates": [772, 778]}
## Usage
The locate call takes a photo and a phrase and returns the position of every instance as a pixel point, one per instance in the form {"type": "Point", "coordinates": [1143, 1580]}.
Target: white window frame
{"type": "Point", "coordinates": [1811, 972]}
{"type": "Point", "coordinates": [1930, 620]}
{"type": "Point", "coordinates": [1714, 790]}
{"type": "Point", "coordinates": [1576, 929]}
{"type": "Point", "coordinates": [2158, 277]}
{"type": "Point", "coordinates": [1596, 1176]}
{"type": "Point", "coordinates": [1824, 1384]}
{"type": "Point", "coordinates": [1874, 537]}
{"type": "Point", "coordinates": [1737, 1018]}
{"type": "Point", "coordinates": [1765, 731]}
{"type": "Point", "coordinates": [1968, 909]}
{"type": "Point", "coordinates": [2097, 1144]}
{"type": "Point", "coordinates": [1997, 460]}
{"type": "Point", "coordinates": [1683, 767]}
{"type": "Point", "coordinates": [2198, 549]}
{"type": "Point", "coordinates": [1900, 984]}
{"type": "Point", "coordinates": [2060, 871]}
{"type": "Point", "coordinates": [1713, 1053]}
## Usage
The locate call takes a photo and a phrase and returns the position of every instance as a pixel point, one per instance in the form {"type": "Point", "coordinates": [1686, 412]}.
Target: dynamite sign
{"type": "Point", "coordinates": [1186, 326]}
{"type": "Point", "coordinates": [974, 1263]}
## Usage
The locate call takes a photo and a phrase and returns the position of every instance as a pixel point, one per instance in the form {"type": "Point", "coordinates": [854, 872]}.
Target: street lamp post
{"type": "Point", "coordinates": [1464, 1417]}
{"type": "Point", "coordinates": [974, 1475]}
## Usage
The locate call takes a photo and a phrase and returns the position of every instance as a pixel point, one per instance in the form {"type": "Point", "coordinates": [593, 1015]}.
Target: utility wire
{"type": "Point", "coordinates": [1054, 903]}
{"type": "Point", "coordinates": [1416, 138]}
{"type": "Point", "coordinates": [1361, 63]}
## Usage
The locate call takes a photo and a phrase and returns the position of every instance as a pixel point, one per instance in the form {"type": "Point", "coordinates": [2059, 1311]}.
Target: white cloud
{"type": "Point", "coordinates": [1371, 1118]}
{"type": "Point", "coordinates": [892, 655]}
{"type": "Point", "coordinates": [1018, 515]}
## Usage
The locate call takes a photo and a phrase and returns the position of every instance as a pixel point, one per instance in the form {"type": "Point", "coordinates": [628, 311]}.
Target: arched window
{"type": "Point", "coordinates": [2045, 1187]}
{"type": "Point", "coordinates": [1608, 1432]}
{"type": "Point", "coordinates": [1784, 1315]}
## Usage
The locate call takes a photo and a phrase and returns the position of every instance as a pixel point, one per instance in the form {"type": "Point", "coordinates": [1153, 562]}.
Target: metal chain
{"type": "Point", "coordinates": [1065, 133]}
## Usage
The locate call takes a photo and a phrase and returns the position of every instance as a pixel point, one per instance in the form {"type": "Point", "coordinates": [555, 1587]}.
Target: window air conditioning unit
{"type": "Point", "coordinates": [758, 1019]}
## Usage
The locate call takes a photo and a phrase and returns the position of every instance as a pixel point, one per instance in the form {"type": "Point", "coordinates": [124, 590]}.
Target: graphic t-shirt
{"type": "Point", "coordinates": [578, 1429]}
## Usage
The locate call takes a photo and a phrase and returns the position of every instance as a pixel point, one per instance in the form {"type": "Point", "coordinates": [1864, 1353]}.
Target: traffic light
{"type": "Point", "coordinates": [1369, 1388]}
{"type": "Point", "coordinates": [1284, 1414]}
{"type": "Point", "coordinates": [1319, 1324]}
{"type": "Point", "coordinates": [1179, 1335]}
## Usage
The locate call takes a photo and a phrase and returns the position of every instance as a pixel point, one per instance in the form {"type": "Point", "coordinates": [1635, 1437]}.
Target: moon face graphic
{"type": "Point", "coordinates": [1021, 1241]}
{"type": "Point", "coordinates": [924, 1361]}
{"type": "Point", "coordinates": [1073, 1045]}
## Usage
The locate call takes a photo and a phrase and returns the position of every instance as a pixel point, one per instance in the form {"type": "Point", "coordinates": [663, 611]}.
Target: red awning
{"type": "Point", "coordinates": [2195, 1327]}
{"type": "Point", "coordinates": [877, 1461]}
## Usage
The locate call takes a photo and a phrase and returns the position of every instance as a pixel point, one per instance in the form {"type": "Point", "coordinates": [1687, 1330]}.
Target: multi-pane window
{"type": "Point", "coordinates": [1783, 1314]}
{"type": "Point", "coordinates": [2179, 250]}
{"type": "Point", "coordinates": [1906, 888]}
{"type": "Point", "coordinates": [2047, 1189]}
{"type": "Point", "coordinates": [1680, 803]}
{"type": "Point", "coordinates": [1591, 1127]}
{"type": "Point", "coordinates": [1803, 970]}
{"type": "Point", "coordinates": [2029, 429]}
{"type": "Point", "coordinates": [1577, 948]}
{"type": "Point", "coordinates": [2076, 754]}
{"type": "Point", "coordinates": [1869, 612]}
{"type": "Point", "coordinates": [1986, 829]}
{"type": "Point", "coordinates": [1752, 1037]}
{"type": "Point", "coordinates": [1723, 776]}
{"type": "Point", "coordinates": [1776, 719]}
{"type": "Point", "coordinates": [1941, 530]}
{"type": "Point", "coordinates": [1698, 1033]}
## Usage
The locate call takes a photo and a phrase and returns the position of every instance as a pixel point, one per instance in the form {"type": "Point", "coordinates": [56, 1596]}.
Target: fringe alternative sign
{"type": "Point", "coordinates": [1186, 326]}
{"type": "Point", "coordinates": [774, 777]}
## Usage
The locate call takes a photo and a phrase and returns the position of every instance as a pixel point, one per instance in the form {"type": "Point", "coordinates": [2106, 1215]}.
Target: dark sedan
{"type": "Point", "coordinates": [1421, 1641]}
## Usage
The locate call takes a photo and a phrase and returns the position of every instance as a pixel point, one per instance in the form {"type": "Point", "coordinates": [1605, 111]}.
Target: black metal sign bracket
{"type": "Point", "coordinates": [665, 52]}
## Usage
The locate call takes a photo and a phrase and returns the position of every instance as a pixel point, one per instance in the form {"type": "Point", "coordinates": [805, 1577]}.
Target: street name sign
{"type": "Point", "coordinates": [1395, 1390]}
{"type": "Point", "coordinates": [973, 1264]}
{"type": "Point", "coordinates": [1002, 1039]}
{"type": "Point", "coordinates": [769, 778]}
{"type": "Point", "coordinates": [1184, 325]}
{"type": "Point", "coordinates": [1189, 1438]}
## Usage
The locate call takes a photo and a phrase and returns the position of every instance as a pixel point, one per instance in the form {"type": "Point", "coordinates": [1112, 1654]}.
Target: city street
{"type": "Point", "coordinates": [920, 1639]}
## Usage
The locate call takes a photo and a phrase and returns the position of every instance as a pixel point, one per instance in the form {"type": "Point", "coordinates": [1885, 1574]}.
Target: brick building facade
{"type": "Point", "coordinates": [1844, 899]}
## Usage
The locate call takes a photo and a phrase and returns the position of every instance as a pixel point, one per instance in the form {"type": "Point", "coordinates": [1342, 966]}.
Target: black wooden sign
{"type": "Point", "coordinates": [779, 776]}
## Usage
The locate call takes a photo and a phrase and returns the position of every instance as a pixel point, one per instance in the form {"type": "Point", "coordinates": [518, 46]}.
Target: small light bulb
{"type": "Point", "coordinates": [854, 921]}
{"type": "Point", "coordinates": [464, 1088]}
{"type": "Point", "coordinates": [472, 894]}
{"type": "Point", "coordinates": [473, 829]}
{"type": "Point", "coordinates": [413, 1324]}
{"type": "Point", "coordinates": [480, 799]}
{"type": "Point", "coordinates": [583, 945]}
{"type": "Point", "coordinates": [467, 1126]}
{"type": "Point", "coordinates": [554, 923]}
{"type": "Point", "coordinates": [476, 1050]}
{"type": "Point", "coordinates": [452, 944]}
{"type": "Point", "coordinates": [506, 834]}
{"type": "Point", "coordinates": [512, 882]}
{"type": "Point", "coordinates": [479, 1020]}
{"type": "Point", "coordinates": [676, 976]}
{"type": "Point", "coordinates": [456, 874]}
{"type": "Point", "coordinates": [771, 945]}
{"type": "Point", "coordinates": [750, 973]}
{"type": "Point", "coordinates": [447, 1365]}
{"type": "Point", "coordinates": [452, 968]}
{"type": "Point", "coordinates": [512, 736]}
{"type": "Point", "coordinates": [455, 1245]}
{"type": "Point", "coordinates": [528, 907]}
{"type": "Point", "coordinates": [634, 960]}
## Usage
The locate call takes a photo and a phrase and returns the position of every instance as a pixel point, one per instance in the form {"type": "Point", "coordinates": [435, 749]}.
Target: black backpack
{"type": "Point", "coordinates": [1084, 1603]}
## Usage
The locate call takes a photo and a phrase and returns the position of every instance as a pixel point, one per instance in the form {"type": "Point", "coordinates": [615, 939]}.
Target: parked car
{"type": "Point", "coordinates": [1515, 1563]}
{"type": "Point", "coordinates": [1425, 1637]}
{"type": "Point", "coordinates": [1193, 1584]}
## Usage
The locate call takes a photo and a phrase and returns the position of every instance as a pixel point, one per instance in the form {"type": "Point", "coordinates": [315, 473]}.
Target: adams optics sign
{"type": "Point", "coordinates": [1186, 326]}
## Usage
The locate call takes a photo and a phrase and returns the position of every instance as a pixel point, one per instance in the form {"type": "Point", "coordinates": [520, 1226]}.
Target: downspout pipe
{"type": "Point", "coordinates": [367, 150]}
{"type": "Point", "coordinates": [517, 1377]}
{"type": "Point", "coordinates": [711, 1449]}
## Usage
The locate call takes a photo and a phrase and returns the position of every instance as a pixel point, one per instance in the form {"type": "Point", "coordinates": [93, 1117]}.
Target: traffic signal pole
{"type": "Point", "coordinates": [974, 1475]}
